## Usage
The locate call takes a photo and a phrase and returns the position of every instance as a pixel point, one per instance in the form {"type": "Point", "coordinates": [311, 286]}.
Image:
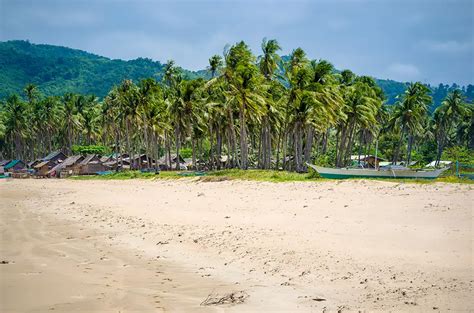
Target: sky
{"type": "Point", "coordinates": [431, 41]}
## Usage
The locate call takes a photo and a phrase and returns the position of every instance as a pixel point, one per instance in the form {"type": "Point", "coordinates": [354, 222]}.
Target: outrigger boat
{"type": "Point", "coordinates": [383, 172]}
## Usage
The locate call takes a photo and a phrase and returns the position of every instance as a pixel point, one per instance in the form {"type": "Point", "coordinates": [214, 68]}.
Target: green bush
{"type": "Point", "coordinates": [186, 153]}
{"type": "Point", "coordinates": [460, 154]}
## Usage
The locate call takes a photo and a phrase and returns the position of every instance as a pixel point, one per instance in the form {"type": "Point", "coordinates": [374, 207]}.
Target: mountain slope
{"type": "Point", "coordinates": [57, 70]}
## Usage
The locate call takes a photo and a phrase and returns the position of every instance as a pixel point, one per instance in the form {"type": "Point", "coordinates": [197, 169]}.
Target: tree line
{"type": "Point", "coordinates": [258, 112]}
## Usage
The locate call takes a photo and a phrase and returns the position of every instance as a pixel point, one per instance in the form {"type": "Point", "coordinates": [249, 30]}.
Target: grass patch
{"type": "Point", "coordinates": [257, 175]}
{"type": "Point", "coordinates": [125, 175]}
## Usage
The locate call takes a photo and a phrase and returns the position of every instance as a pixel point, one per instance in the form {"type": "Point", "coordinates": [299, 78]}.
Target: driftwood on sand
{"type": "Point", "coordinates": [235, 297]}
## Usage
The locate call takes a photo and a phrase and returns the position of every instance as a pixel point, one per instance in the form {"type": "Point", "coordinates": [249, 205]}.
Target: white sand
{"type": "Point", "coordinates": [148, 246]}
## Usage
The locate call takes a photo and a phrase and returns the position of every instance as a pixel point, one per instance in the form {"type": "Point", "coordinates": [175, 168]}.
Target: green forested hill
{"type": "Point", "coordinates": [57, 70]}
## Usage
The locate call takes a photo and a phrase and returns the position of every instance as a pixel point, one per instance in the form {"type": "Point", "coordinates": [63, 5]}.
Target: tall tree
{"type": "Point", "coordinates": [452, 111]}
{"type": "Point", "coordinates": [244, 80]}
{"type": "Point", "coordinates": [269, 61]}
{"type": "Point", "coordinates": [409, 115]}
{"type": "Point", "coordinates": [215, 64]}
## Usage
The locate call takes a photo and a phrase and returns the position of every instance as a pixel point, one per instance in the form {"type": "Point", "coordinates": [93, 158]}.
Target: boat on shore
{"type": "Point", "coordinates": [341, 173]}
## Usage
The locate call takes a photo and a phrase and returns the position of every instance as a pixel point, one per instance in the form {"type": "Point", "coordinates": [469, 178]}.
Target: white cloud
{"type": "Point", "coordinates": [449, 46]}
{"type": "Point", "coordinates": [403, 72]}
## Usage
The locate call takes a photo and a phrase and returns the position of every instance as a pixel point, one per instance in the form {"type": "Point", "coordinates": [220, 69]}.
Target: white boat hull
{"type": "Point", "coordinates": [340, 173]}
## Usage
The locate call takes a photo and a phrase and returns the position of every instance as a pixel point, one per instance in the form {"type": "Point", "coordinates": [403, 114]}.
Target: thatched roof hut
{"type": "Point", "coordinates": [56, 157]}
{"type": "Point", "coordinates": [68, 167]}
{"type": "Point", "coordinates": [141, 161]}
{"type": "Point", "coordinates": [32, 164]}
{"type": "Point", "coordinates": [370, 161]}
{"type": "Point", "coordinates": [42, 168]}
{"type": "Point", "coordinates": [91, 164]}
{"type": "Point", "coordinates": [14, 165]}
{"type": "Point", "coordinates": [165, 159]}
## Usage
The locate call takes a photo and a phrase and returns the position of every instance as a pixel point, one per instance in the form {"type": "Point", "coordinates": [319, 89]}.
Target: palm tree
{"type": "Point", "coordinates": [90, 121]}
{"type": "Point", "coordinates": [51, 115]}
{"type": "Point", "coordinates": [170, 72]}
{"type": "Point", "coordinates": [215, 64]}
{"type": "Point", "coordinates": [244, 80]}
{"type": "Point", "coordinates": [269, 61]}
{"type": "Point", "coordinates": [362, 104]}
{"type": "Point", "coordinates": [71, 120]}
{"type": "Point", "coordinates": [15, 124]}
{"type": "Point", "coordinates": [296, 77]}
{"type": "Point", "coordinates": [184, 116]}
{"type": "Point", "coordinates": [450, 113]}
{"type": "Point", "coordinates": [149, 96]}
{"type": "Point", "coordinates": [128, 104]}
{"type": "Point", "coordinates": [31, 92]}
{"type": "Point", "coordinates": [32, 95]}
{"type": "Point", "coordinates": [409, 115]}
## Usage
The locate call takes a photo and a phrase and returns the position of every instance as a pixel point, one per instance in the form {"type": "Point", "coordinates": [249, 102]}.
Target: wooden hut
{"type": "Point", "coordinates": [68, 167]}
{"type": "Point", "coordinates": [42, 168]}
{"type": "Point", "coordinates": [105, 158]}
{"type": "Point", "coordinates": [141, 161]}
{"type": "Point", "coordinates": [14, 165]}
{"type": "Point", "coordinates": [91, 165]}
{"type": "Point", "coordinates": [164, 162]}
{"type": "Point", "coordinates": [368, 161]}
{"type": "Point", "coordinates": [55, 157]}
{"type": "Point", "coordinates": [32, 164]}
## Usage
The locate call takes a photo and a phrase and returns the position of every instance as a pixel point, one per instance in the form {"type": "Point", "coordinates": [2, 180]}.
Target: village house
{"type": "Point", "coordinates": [367, 161]}
{"type": "Point", "coordinates": [91, 164]}
{"type": "Point", "coordinates": [32, 164]}
{"type": "Point", "coordinates": [42, 168]}
{"type": "Point", "coordinates": [14, 165]}
{"type": "Point", "coordinates": [55, 157]}
{"type": "Point", "coordinates": [68, 167]}
{"type": "Point", "coordinates": [140, 161]}
{"type": "Point", "coordinates": [164, 162]}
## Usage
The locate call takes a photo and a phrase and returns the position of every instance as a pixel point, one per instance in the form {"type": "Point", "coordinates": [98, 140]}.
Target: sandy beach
{"type": "Point", "coordinates": [170, 245]}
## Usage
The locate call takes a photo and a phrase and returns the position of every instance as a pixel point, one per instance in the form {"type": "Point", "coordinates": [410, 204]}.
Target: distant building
{"type": "Point", "coordinates": [369, 161]}
{"type": "Point", "coordinates": [55, 157]}
{"type": "Point", "coordinates": [68, 167]}
{"type": "Point", "coordinates": [33, 163]}
{"type": "Point", "coordinates": [42, 168]}
{"type": "Point", "coordinates": [91, 164]}
{"type": "Point", "coordinates": [164, 162]}
{"type": "Point", "coordinates": [14, 165]}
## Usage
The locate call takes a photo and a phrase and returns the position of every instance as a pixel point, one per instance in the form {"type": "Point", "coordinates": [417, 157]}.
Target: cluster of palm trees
{"type": "Point", "coordinates": [259, 112]}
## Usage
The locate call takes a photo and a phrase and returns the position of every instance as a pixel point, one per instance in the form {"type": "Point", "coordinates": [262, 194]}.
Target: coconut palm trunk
{"type": "Point", "coordinates": [243, 139]}
{"type": "Point", "coordinates": [308, 144]}
{"type": "Point", "coordinates": [397, 149]}
{"type": "Point", "coordinates": [178, 146]}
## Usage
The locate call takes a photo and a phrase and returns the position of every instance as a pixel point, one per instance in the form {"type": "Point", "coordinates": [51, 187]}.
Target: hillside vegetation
{"type": "Point", "coordinates": [58, 70]}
